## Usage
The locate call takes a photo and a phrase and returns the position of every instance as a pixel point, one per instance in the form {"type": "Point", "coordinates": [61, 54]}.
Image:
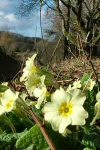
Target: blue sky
{"type": "Point", "coordinates": [12, 21]}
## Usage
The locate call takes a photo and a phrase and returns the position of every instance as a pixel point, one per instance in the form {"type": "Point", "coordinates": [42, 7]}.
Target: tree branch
{"type": "Point", "coordinates": [81, 22]}
{"type": "Point", "coordinates": [67, 5]}
{"type": "Point", "coordinates": [43, 130]}
{"type": "Point", "coordinates": [61, 13]}
{"type": "Point", "coordinates": [50, 6]}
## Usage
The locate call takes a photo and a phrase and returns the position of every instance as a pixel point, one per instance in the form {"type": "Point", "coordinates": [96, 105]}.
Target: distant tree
{"type": "Point", "coordinates": [77, 20]}
{"type": "Point", "coordinates": [28, 6]}
{"type": "Point", "coordinates": [79, 23]}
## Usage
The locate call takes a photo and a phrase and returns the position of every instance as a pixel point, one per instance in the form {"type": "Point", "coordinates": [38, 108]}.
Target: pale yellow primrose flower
{"type": "Point", "coordinates": [97, 108]}
{"type": "Point", "coordinates": [29, 69]}
{"type": "Point", "coordinates": [69, 89]}
{"type": "Point", "coordinates": [88, 85]}
{"type": "Point", "coordinates": [77, 84]}
{"type": "Point", "coordinates": [36, 87]}
{"type": "Point", "coordinates": [40, 92]}
{"type": "Point", "coordinates": [97, 105]}
{"type": "Point", "coordinates": [32, 82]}
{"type": "Point", "coordinates": [65, 109]}
{"type": "Point", "coordinates": [8, 100]}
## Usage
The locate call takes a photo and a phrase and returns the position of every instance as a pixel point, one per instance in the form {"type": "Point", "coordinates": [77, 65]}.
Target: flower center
{"type": "Point", "coordinates": [33, 69]}
{"type": "Point", "coordinates": [66, 109]}
{"type": "Point", "coordinates": [9, 105]}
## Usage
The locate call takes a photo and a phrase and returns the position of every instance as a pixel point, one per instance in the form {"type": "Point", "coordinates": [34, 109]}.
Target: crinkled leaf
{"type": "Point", "coordinates": [29, 147]}
{"type": "Point", "coordinates": [33, 136]}
{"type": "Point", "coordinates": [91, 140]}
{"type": "Point", "coordinates": [4, 137]}
{"type": "Point", "coordinates": [9, 139]}
{"type": "Point", "coordinates": [3, 88]}
{"type": "Point", "coordinates": [87, 149]}
{"type": "Point", "coordinates": [85, 78]}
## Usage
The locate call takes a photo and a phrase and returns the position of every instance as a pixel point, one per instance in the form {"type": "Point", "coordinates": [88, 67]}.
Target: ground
{"type": "Point", "coordinates": [72, 69]}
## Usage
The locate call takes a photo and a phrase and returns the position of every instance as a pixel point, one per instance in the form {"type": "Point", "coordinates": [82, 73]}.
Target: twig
{"type": "Point", "coordinates": [54, 52]}
{"type": "Point", "coordinates": [50, 6]}
{"type": "Point", "coordinates": [64, 81]}
{"type": "Point", "coordinates": [43, 130]}
{"type": "Point", "coordinates": [43, 42]}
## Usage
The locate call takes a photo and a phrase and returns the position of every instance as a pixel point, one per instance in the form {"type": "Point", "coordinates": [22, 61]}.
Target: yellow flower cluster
{"type": "Point", "coordinates": [34, 82]}
{"type": "Point", "coordinates": [7, 101]}
{"type": "Point", "coordinates": [97, 105]}
{"type": "Point", "coordinates": [86, 85]}
{"type": "Point", "coordinates": [65, 107]}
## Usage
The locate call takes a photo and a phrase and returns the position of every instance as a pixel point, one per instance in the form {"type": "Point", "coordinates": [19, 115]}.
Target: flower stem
{"type": "Point", "coordinates": [43, 130]}
{"type": "Point", "coordinates": [94, 119]}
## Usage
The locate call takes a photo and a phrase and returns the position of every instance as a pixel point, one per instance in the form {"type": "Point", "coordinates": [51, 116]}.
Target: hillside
{"type": "Point", "coordinates": [12, 42]}
{"type": "Point", "coordinates": [15, 48]}
{"type": "Point", "coordinates": [18, 46]}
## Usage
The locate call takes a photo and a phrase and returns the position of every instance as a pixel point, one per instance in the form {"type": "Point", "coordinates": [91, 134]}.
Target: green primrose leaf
{"type": "Point", "coordinates": [4, 137]}
{"type": "Point", "coordinates": [3, 88]}
{"type": "Point", "coordinates": [49, 76]}
{"type": "Point", "coordinates": [33, 136]}
{"type": "Point", "coordinates": [87, 149]}
{"type": "Point", "coordinates": [6, 140]}
{"type": "Point", "coordinates": [85, 78]}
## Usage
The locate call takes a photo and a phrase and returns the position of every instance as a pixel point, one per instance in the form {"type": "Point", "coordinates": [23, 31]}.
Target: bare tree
{"type": "Point", "coordinates": [77, 20]}
{"type": "Point", "coordinates": [80, 23]}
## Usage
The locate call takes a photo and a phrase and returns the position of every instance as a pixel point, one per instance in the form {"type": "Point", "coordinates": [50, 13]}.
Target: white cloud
{"type": "Point", "coordinates": [10, 17]}
{"type": "Point", "coordinates": [5, 4]}
{"type": "Point", "coordinates": [7, 16]}
{"type": "Point", "coordinates": [10, 20]}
